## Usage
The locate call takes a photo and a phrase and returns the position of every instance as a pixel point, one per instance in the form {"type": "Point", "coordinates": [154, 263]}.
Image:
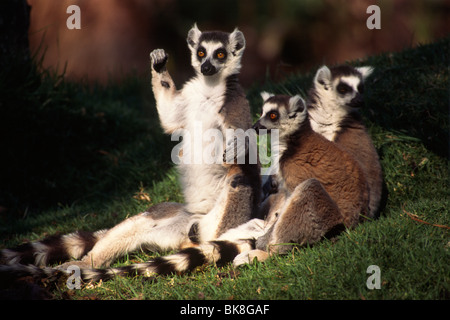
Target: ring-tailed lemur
{"type": "Point", "coordinates": [223, 195]}
{"type": "Point", "coordinates": [218, 196]}
{"type": "Point", "coordinates": [305, 154]}
{"type": "Point", "coordinates": [333, 106]}
{"type": "Point", "coordinates": [334, 102]}
{"type": "Point", "coordinates": [321, 189]}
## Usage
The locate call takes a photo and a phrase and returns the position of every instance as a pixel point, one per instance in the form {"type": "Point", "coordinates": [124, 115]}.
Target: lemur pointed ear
{"type": "Point", "coordinates": [266, 95]}
{"type": "Point", "coordinates": [237, 40]}
{"type": "Point", "coordinates": [296, 104]}
{"type": "Point", "coordinates": [193, 36]}
{"type": "Point", "coordinates": [365, 71]}
{"type": "Point", "coordinates": [322, 77]}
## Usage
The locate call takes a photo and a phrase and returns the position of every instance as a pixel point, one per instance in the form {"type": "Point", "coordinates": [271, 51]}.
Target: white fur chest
{"type": "Point", "coordinates": [203, 103]}
{"type": "Point", "coordinates": [326, 120]}
{"type": "Point", "coordinates": [328, 130]}
{"type": "Point", "coordinates": [201, 179]}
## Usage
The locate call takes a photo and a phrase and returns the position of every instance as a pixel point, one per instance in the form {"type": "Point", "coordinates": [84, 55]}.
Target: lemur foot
{"type": "Point", "coordinates": [159, 59]}
{"type": "Point", "coordinates": [248, 257]}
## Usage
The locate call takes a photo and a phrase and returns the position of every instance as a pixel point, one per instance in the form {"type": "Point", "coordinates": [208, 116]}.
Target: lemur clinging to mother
{"type": "Point", "coordinates": [218, 196]}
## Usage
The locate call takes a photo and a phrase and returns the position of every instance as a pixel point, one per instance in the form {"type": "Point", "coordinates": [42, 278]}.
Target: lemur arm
{"type": "Point", "coordinates": [168, 99]}
{"type": "Point", "coordinates": [237, 112]}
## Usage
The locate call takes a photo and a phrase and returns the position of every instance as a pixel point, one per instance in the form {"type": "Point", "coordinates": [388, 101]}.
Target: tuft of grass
{"type": "Point", "coordinates": [105, 159]}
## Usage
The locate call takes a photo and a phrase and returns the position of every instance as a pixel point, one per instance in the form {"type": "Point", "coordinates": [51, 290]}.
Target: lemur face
{"type": "Point", "coordinates": [341, 86]}
{"type": "Point", "coordinates": [281, 112]}
{"type": "Point", "coordinates": [215, 52]}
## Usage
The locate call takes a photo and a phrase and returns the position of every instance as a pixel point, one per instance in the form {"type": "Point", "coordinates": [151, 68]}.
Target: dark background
{"type": "Point", "coordinates": [284, 36]}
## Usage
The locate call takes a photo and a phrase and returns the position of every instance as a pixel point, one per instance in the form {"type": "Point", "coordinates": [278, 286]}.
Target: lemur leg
{"type": "Point", "coordinates": [234, 206]}
{"type": "Point", "coordinates": [271, 206]}
{"type": "Point", "coordinates": [147, 230]}
{"type": "Point", "coordinates": [307, 215]}
{"type": "Point", "coordinates": [252, 229]}
{"type": "Point", "coordinates": [165, 92]}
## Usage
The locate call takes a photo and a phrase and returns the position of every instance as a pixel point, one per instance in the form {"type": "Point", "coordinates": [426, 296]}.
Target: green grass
{"type": "Point", "coordinates": [103, 145]}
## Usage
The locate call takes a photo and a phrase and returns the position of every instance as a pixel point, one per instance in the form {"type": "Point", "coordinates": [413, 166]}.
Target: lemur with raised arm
{"type": "Point", "coordinates": [218, 196]}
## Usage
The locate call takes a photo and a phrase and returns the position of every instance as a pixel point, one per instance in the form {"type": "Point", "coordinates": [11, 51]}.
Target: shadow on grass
{"type": "Point", "coordinates": [63, 142]}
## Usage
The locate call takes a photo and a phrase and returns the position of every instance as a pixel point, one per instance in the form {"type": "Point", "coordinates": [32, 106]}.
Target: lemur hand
{"type": "Point", "coordinates": [159, 59]}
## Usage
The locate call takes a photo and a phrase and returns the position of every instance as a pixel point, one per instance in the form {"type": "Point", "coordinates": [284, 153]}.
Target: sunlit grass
{"type": "Point", "coordinates": [83, 158]}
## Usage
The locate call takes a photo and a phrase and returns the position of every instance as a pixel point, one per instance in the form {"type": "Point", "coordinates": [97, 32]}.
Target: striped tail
{"type": "Point", "coordinates": [53, 249]}
{"type": "Point", "coordinates": [214, 252]}
{"type": "Point", "coordinates": [9, 273]}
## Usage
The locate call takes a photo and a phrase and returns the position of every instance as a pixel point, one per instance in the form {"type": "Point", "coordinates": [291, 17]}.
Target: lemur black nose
{"type": "Point", "coordinates": [208, 69]}
{"type": "Point", "coordinates": [357, 101]}
{"type": "Point", "coordinates": [258, 126]}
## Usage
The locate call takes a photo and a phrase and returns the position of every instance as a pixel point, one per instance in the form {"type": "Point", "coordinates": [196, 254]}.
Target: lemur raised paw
{"type": "Point", "coordinates": [159, 59]}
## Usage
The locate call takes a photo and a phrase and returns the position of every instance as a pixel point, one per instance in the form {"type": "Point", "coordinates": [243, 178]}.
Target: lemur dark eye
{"type": "Point", "coordinates": [343, 88]}
{"type": "Point", "coordinates": [220, 55]}
{"type": "Point", "coordinates": [201, 53]}
{"type": "Point", "coordinates": [273, 115]}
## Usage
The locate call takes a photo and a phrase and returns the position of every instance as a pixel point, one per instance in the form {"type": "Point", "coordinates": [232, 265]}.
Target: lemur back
{"type": "Point", "coordinates": [333, 106]}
